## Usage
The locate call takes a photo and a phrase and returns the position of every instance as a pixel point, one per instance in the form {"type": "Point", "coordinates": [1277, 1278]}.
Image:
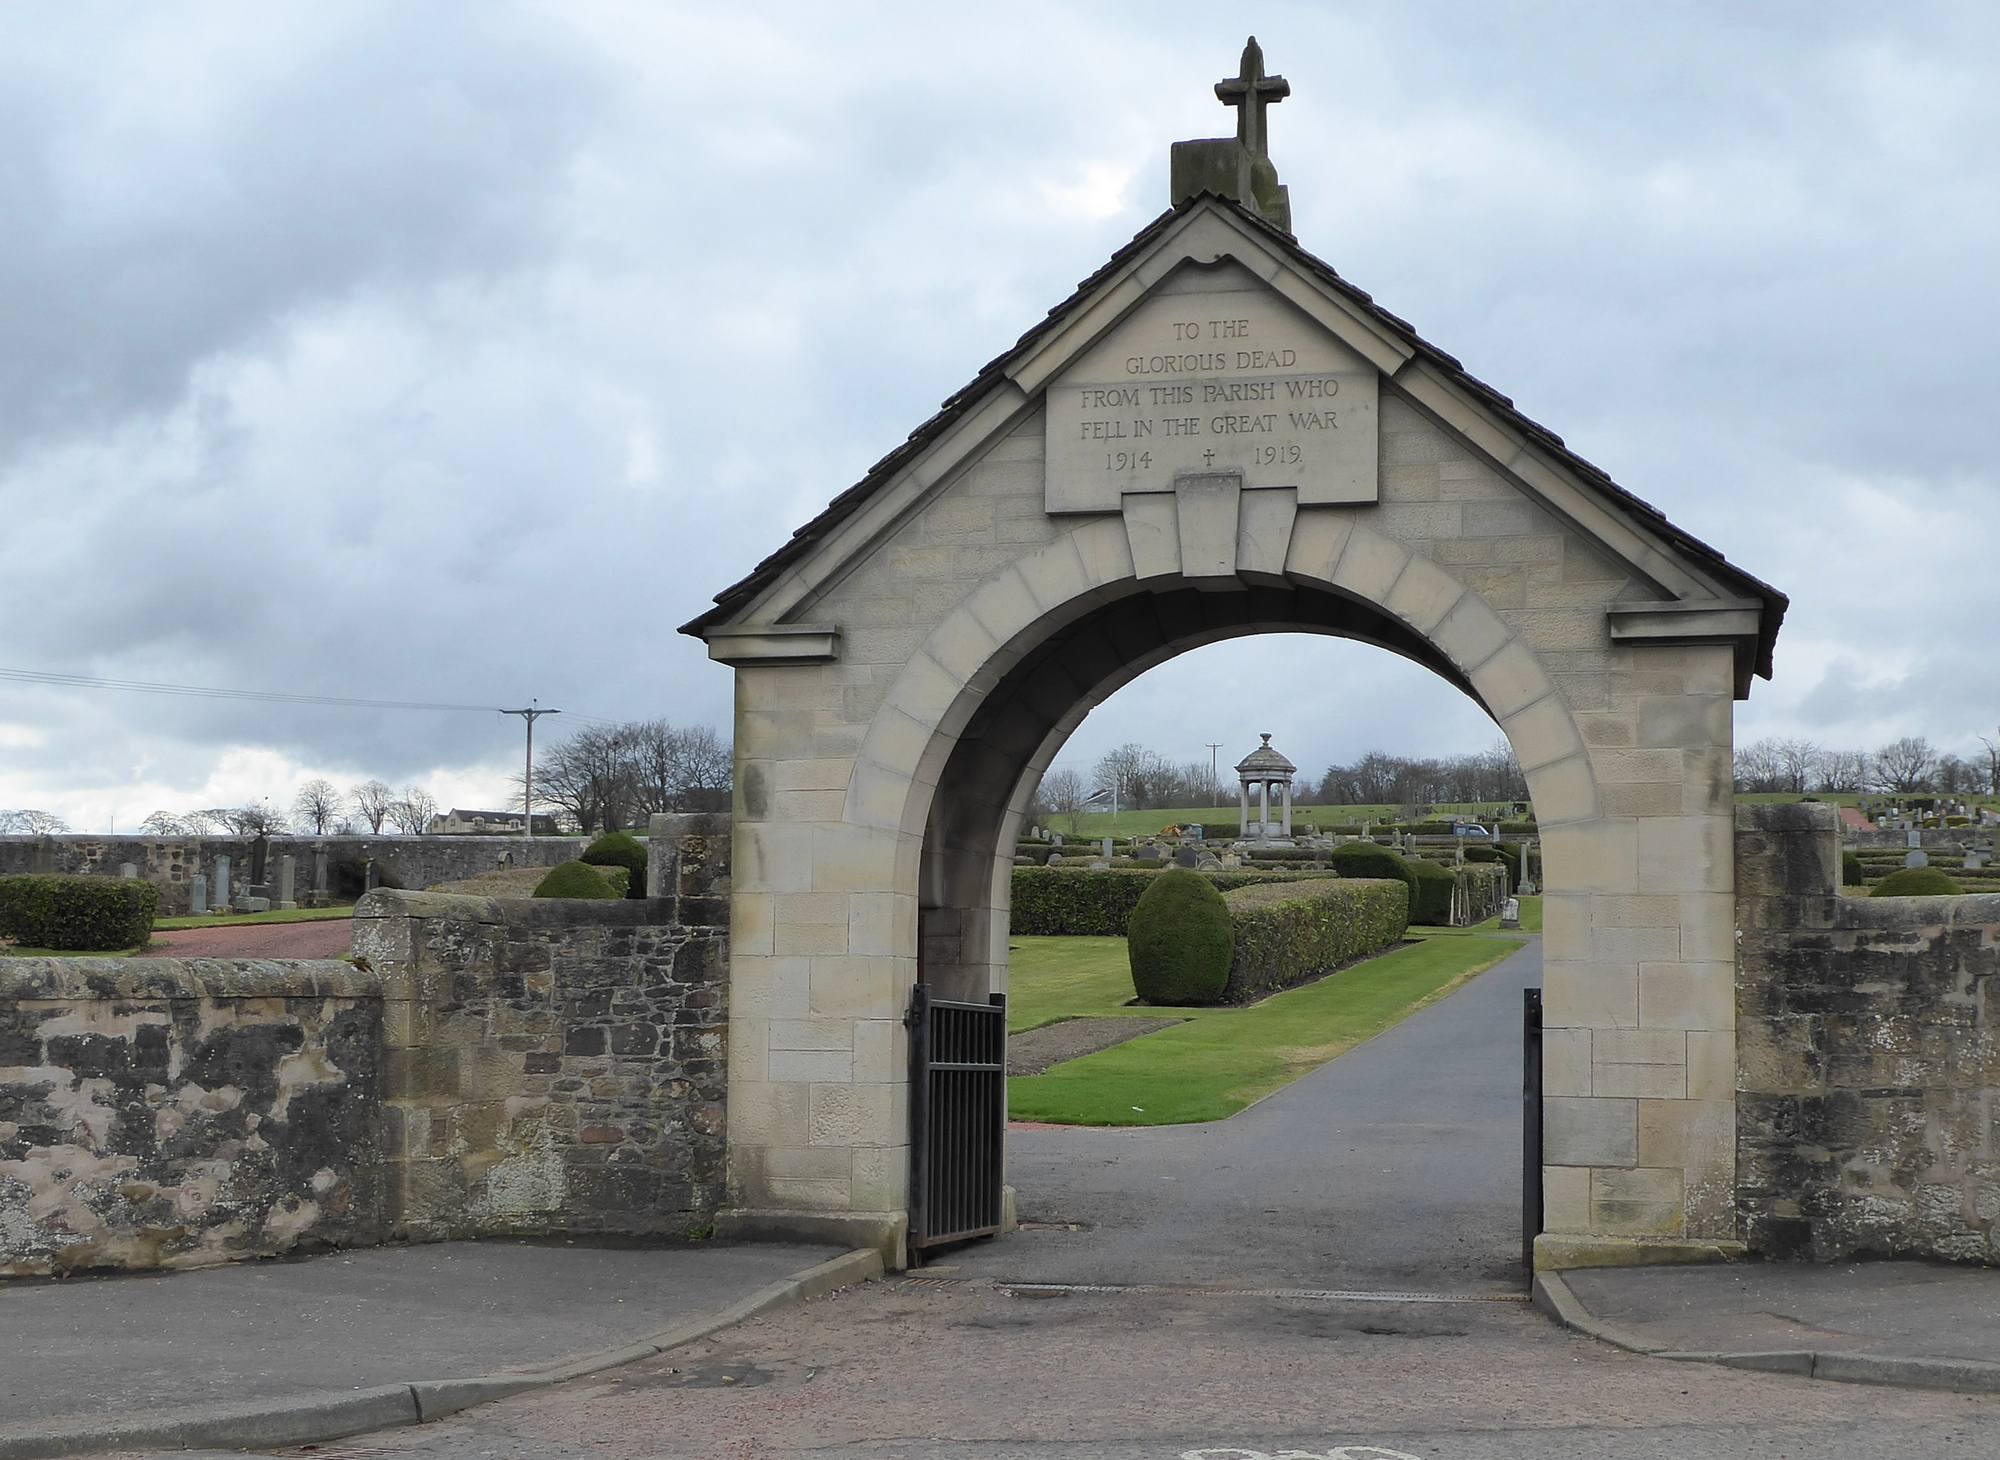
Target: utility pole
{"type": "Point", "coordinates": [1214, 775]}
{"type": "Point", "coordinates": [529, 716]}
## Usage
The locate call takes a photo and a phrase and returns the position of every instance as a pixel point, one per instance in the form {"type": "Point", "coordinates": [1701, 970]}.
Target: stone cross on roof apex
{"type": "Point", "coordinates": [1239, 167]}
{"type": "Point", "coordinates": [1250, 91]}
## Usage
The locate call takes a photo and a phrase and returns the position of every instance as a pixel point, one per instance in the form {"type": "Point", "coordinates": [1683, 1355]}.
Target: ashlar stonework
{"type": "Point", "coordinates": [910, 663]}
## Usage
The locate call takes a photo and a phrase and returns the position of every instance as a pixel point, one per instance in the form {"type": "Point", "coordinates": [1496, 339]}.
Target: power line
{"type": "Point", "coordinates": [198, 691]}
{"type": "Point", "coordinates": [259, 696]}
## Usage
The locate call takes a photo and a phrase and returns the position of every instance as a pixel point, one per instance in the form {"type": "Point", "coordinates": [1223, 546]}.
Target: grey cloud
{"type": "Point", "coordinates": [327, 371]}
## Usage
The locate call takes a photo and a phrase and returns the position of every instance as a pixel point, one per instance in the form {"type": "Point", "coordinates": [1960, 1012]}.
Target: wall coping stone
{"type": "Point", "coordinates": [62, 979]}
{"type": "Point", "coordinates": [528, 912]}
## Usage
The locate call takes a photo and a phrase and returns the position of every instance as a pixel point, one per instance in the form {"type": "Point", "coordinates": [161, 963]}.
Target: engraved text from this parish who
{"type": "Point", "coordinates": [1217, 374]}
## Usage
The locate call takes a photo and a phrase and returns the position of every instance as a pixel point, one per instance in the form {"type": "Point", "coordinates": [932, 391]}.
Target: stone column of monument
{"type": "Point", "coordinates": [909, 664]}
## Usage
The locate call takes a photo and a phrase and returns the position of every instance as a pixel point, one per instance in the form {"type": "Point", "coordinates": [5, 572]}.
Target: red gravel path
{"type": "Point", "coordinates": [328, 939]}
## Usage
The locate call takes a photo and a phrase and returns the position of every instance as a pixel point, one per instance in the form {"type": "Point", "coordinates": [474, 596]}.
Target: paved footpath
{"type": "Point", "coordinates": [1423, 1121]}
{"type": "Point", "coordinates": [91, 1352]}
{"type": "Point", "coordinates": [325, 938]}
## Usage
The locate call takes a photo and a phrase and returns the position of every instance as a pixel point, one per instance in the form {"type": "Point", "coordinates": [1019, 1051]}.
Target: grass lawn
{"type": "Point", "coordinates": [1092, 824]}
{"type": "Point", "coordinates": [242, 920]}
{"type": "Point", "coordinates": [1531, 922]}
{"type": "Point", "coordinates": [1221, 1060]}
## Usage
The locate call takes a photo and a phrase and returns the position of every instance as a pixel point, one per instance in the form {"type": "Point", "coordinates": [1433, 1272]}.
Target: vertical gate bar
{"type": "Point", "coordinates": [919, 1025]}
{"type": "Point", "coordinates": [1531, 1125]}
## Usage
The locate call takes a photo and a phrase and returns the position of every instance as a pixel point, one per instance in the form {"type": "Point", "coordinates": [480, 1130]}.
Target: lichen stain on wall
{"type": "Point", "coordinates": [183, 1131]}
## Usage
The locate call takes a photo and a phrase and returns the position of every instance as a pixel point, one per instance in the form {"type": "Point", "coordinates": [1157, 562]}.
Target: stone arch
{"type": "Point", "coordinates": [1442, 524]}
{"type": "Point", "coordinates": [1337, 577]}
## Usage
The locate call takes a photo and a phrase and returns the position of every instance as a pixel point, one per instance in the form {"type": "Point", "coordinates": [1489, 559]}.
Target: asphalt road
{"type": "Point", "coordinates": [1397, 1165]}
{"type": "Point", "coordinates": [955, 1371]}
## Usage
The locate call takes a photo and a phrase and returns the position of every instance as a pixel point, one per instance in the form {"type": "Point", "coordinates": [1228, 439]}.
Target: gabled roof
{"type": "Point", "coordinates": [1643, 514]}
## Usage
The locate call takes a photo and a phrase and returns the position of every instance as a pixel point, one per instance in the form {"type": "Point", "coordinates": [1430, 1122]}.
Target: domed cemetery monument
{"type": "Point", "coordinates": [1257, 775]}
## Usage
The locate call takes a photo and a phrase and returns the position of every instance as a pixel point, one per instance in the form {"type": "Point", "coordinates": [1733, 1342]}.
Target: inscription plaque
{"type": "Point", "coordinates": [1213, 372]}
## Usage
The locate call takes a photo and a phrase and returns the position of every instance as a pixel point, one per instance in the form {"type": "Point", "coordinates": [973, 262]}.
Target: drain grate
{"type": "Point", "coordinates": [1218, 1290]}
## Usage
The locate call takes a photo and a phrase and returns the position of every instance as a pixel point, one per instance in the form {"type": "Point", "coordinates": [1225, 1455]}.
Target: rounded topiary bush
{"type": "Point", "coordinates": [1851, 874]}
{"type": "Point", "coordinates": [575, 879]}
{"type": "Point", "coordinates": [1365, 859]}
{"type": "Point", "coordinates": [1917, 882]}
{"type": "Point", "coordinates": [620, 849]}
{"type": "Point", "coordinates": [1180, 940]}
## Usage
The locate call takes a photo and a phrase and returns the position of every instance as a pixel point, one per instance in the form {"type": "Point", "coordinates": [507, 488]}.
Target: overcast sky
{"type": "Point", "coordinates": [458, 353]}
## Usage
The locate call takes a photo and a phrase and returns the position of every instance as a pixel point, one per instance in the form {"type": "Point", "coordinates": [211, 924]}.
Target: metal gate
{"type": "Point", "coordinates": [958, 1118]}
{"type": "Point", "coordinates": [1531, 1124]}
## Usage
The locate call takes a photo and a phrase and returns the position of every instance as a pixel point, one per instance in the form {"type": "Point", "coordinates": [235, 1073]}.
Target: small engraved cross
{"type": "Point", "coordinates": [1208, 458]}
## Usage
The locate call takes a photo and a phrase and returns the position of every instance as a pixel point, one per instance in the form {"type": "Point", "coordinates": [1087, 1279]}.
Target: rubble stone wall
{"type": "Point", "coordinates": [164, 1112]}
{"type": "Point", "coordinates": [1868, 1056]}
{"type": "Point", "coordinates": [478, 1067]}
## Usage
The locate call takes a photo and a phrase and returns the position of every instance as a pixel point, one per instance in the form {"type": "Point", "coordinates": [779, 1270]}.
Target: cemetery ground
{"type": "Point", "coordinates": [1213, 1062]}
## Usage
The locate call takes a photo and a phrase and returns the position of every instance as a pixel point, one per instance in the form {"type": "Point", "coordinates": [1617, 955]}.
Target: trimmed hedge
{"type": "Point", "coordinates": [1851, 873]}
{"type": "Point", "coordinates": [577, 879]}
{"type": "Point", "coordinates": [1098, 903]}
{"type": "Point", "coordinates": [1917, 882]}
{"type": "Point", "coordinates": [77, 914]}
{"type": "Point", "coordinates": [1287, 933]}
{"type": "Point", "coordinates": [1365, 859]}
{"type": "Point", "coordinates": [1431, 888]}
{"type": "Point", "coordinates": [620, 849]}
{"type": "Point", "coordinates": [1180, 941]}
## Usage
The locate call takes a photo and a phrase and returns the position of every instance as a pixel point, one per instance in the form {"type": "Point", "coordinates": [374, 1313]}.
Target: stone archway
{"type": "Point", "coordinates": [907, 666]}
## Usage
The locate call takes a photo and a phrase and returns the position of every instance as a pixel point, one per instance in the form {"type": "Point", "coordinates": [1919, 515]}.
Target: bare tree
{"type": "Point", "coordinates": [708, 770]}
{"type": "Point", "coordinates": [206, 821]}
{"type": "Point", "coordinates": [1797, 760]}
{"type": "Point", "coordinates": [164, 823]}
{"type": "Point", "coordinates": [258, 818]}
{"type": "Point", "coordinates": [31, 823]}
{"type": "Point", "coordinates": [413, 810]}
{"type": "Point", "coordinates": [1842, 771]}
{"type": "Point", "coordinates": [1992, 763]}
{"type": "Point", "coordinates": [590, 777]}
{"type": "Point", "coordinates": [1759, 767]}
{"type": "Point", "coordinates": [371, 801]}
{"type": "Point", "coordinates": [1063, 791]}
{"type": "Point", "coordinates": [317, 805]}
{"type": "Point", "coordinates": [1905, 765]}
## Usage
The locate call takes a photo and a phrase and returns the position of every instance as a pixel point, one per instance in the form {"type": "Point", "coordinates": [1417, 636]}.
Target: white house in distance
{"type": "Point", "coordinates": [487, 823]}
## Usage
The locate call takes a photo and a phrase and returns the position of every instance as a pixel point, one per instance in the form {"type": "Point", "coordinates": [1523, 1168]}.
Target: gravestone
{"type": "Point", "coordinates": [128, 871]}
{"type": "Point", "coordinates": [198, 894]}
{"type": "Point", "coordinates": [368, 875]}
{"type": "Point", "coordinates": [221, 881]}
{"type": "Point", "coordinates": [321, 893]}
{"type": "Point", "coordinates": [287, 871]}
{"type": "Point", "coordinates": [1188, 857]}
{"type": "Point", "coordinates": [1976, 858]}
{"type": "Point", "coordinates": [1055, 860]}
{"type": "Point", "coordinates": [1107, 853]}
{"type": "Point", "coordinates": [260, 857]}
{"type": "Point", "coordinates": [1916, 857]}
{"type": "Point", "coordinates": [45, 854]}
